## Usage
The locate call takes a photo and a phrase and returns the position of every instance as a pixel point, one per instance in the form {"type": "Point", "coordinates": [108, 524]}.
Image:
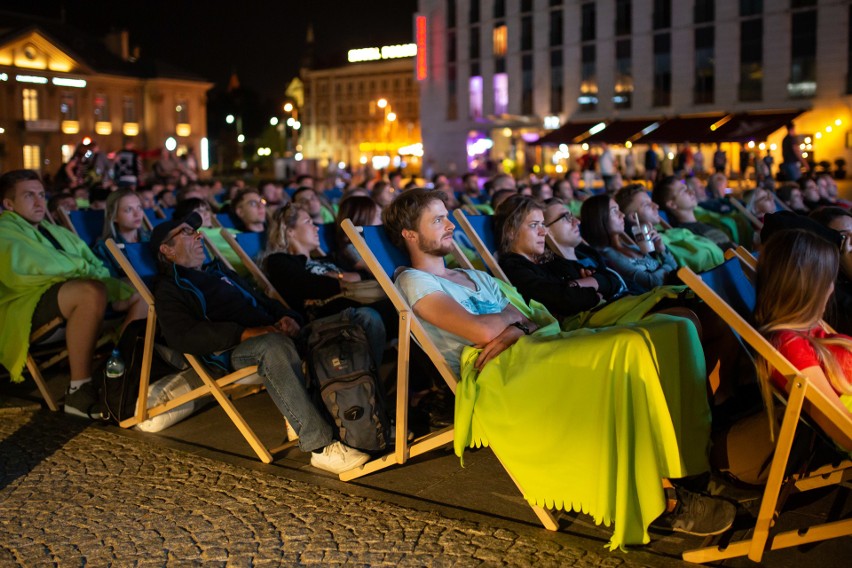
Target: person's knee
{"type": "Point", "coordinates": [368, 319]}
{"type": "Point", "coordinates": [88, 294]}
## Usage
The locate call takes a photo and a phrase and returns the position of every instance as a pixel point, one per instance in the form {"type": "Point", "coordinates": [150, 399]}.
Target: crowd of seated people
{"type": "Point", "coordinates": [592, 265]}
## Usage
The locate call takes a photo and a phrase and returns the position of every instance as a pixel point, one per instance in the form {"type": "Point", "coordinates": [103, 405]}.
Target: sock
{"type": "Point", "coordinates": [75, 384]}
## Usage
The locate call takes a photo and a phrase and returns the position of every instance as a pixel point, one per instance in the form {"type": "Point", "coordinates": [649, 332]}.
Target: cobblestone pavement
{"type": "Point", "coordinates": [75, 494]}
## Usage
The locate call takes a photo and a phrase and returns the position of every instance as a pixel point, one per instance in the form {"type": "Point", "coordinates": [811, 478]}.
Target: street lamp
{"type": "Point", "coordinates": [391, 116]}
{"type": "Point", "coordinates": [288, 107]}
{"type": "Point", "coordinates": [273, 121]}
{"type": "Point", "coordinates": [229, 119]}
{"type": "Point", "coordinates": [382, 103]}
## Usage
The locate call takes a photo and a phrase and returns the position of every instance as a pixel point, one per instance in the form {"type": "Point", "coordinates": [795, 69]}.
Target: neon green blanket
{"type": "Point", "coordinates": [697, 252]}
{"type": "Point", "coordinates": [734, 224]}
{"type": "Point", "coordinates": [29, 265]}
{"type": "Point", "coordinates": [592, 420]}
{"type": "Point", "coordinates": [214, 235]}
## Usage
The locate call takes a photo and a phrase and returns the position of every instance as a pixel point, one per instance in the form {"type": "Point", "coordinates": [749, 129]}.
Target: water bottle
{"type": "Point", "coordinates": [642, 235]}
{"type": "Point", "coordinates": [115, 365]}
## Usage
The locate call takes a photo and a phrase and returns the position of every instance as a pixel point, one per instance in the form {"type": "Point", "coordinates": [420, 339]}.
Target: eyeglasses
{"type": "Point", "coordinates": [185, 231]}
{"type": "Point", "coordinates": [568, 216]}
{"type": "Point", "coordinates": [256, 202]}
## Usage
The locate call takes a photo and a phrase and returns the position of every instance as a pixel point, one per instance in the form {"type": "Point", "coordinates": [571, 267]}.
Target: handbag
{"type": "Point", "coordinates": [363, 291]}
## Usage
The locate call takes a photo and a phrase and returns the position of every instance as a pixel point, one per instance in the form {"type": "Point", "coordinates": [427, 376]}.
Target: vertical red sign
{"type": "Point", "coordinates": [422, 70]}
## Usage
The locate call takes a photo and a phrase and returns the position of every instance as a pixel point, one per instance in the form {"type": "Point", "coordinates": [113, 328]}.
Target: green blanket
{"type": "Point", "coordinates": [735, 225]}
{"type": "Point", "coordinates": [592, 420]}
{"type": "Point", "coordinates": [214, 235]}
{"type": "Point", "coordinates": [29, 265]}
{"type": "Point", "coordinates": [697, 252]}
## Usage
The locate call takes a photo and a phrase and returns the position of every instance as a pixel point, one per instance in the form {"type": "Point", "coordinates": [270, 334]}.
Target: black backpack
{"type": "Point", "coordinates": [344, 376]}
{"type": "Point", "coordinates": [119, 396]}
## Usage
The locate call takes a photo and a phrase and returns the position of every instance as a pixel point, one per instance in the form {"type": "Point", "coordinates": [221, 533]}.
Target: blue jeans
{"type": "Point", "coordinates": [792, 170]}
{"type": "Point", "coordinates": [280, 366]}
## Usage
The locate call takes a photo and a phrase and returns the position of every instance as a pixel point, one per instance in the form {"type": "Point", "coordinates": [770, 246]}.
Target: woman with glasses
{"type": "Point", "coordinates": [603, 228]}
{"type": "Point", "coordinates": [567, 284]}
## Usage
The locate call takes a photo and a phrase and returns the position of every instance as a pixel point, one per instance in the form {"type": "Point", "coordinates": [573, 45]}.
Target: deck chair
{"type": "Point", "coordinates": [803, 403]}
{"type": "Point", "coordinates": [480, 231]}
{"type": "Point", "coordinates": [383, 258]}
{"type": "Point", "coordinates": [223, 220]}
{"type": "Point", "coordinates": [88, 224]}
{"type": "Point", "coordinates": [738, 205]}
{"type": "Point", "coordinates": [43, 333]}
{"type": "Point", "coordinates": [248, 246]}
{"type": "Point", "coordinates": [140, 265]}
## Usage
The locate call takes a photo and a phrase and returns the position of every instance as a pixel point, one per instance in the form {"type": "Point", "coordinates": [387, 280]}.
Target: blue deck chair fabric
{"type": "Point", "coordinates": [151, 214]}
{"type": "Point", "coordinates": [142, 258]}
{"type": "Point", "coordinates": [225, 220]}
{"type": "Point", "coordinates": [89, 224]}
{"type": "Point", "coordinates": [327, 237]}
{"type": "Point", "coordinates": [731, 284]}
{"type": "Point", "coordinates": [664, 216]}
{"type": "Point", "coordinates": [388, 255]}
{"type": "Point", "coordinates": [252, 243]}
{"type": "Point", "coordinates": [168, 212]}
{"type": "Point", "coordinates": [484, 227]}
{"type": "Point", "coordinates": [334, 194]}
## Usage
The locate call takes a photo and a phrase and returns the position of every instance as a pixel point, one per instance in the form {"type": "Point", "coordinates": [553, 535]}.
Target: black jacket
{"type": "Point", "coordinates": [550, 282]}
{"type": "Point", "coordinates": [184, 316]}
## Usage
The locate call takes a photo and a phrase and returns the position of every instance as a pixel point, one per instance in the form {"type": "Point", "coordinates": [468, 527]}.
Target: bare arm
{"type": "Point", "coordinates": [442, 311]}
{"type": "Point", "coordinates": [818, 379]}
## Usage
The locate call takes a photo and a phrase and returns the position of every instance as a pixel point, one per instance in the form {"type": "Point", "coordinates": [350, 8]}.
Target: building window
{"type": "Point", "coordinates": [182, 110]}
{"type": "Point", "coordinates": [129, 109]}
{"type": "Point", "coordinates": [705, 74]}
{"type": "Point", "coordinates": [588, 99]}
{"type": "Point", "coordinates": [473, 50]}
{"type": "Point", "coordinates": [30, 104]}
{"type": "Point", "coordinates": [499, 38]}
{"type": "Point", "coordinates": [704, 11]}
{"type": "Point", "coordinates": [475, 90]}
{"type": "Point", "coordinates": [623, 16]}
{"type": "Point", "coordinates": [662, 14]}
{"type": "Point", "coordinates": [587, 22]}
{"type": "Point", "coordinates": [527, 84]}
{"type": "Point", "coordinates": [662, 69]}
{"type": "Point", "coordinates": [526, 33]}
{"type": "Point", "coordinates": [501, 93]}
{"type": "Point", "coordinates": [555, 27]}
{"type": "Point", "coordinates": [849, 53]}
{"type": "Point", "coordinates": [452, 104]}
{"type": "Point", "coordinates": [751, 60]}
{"type": "Point", "coordinates": [101, 108]}
{"type": "Point", "coordinates": [557, 80]}
{"type": "Point", "coordinates": [32, 157]}
{"type": "Point", "coordinates": [526, 6]}
{"type": "Point", "coordinates": [623, 96]}
{"type": "Point", "coordinates": [751, 8]}
{"type": "Point", "coordinates": [473, 13]}
{"type": "Point", "coordinates": [68, 106]}
{"type": "Point", "coordinates": [451, 13]}
{"type": "Point", "coordinates": [499, 9]}
{"type": "Point", "coordinates": [803, 53]}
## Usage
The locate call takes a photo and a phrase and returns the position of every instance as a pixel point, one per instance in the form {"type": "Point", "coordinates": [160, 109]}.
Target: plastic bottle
{"type": "Point", "coordinates": [115, 365]}
{"type": "Point", "coordinates": [642, 235]}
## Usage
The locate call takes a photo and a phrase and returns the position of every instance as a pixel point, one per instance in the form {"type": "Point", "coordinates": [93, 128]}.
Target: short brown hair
{"type": "Point", "coordinates": [624, 196]}
{"type": "Point", "coordinates": [404, 212]}
{"type": "Point", "coordinates": [9, 181]}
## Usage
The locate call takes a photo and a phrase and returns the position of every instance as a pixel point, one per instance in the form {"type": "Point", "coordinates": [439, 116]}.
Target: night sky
{"type": "Point", "coordinates": [263, 41]}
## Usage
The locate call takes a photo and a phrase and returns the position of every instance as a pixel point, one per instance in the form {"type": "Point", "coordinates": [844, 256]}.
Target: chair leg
{"type": "Point", "coordinates": [39, 381]}
{"type": "Point", "coordinates": [232, 412]}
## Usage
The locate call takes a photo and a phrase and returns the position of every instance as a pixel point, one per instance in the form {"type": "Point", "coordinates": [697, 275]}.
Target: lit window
{"type": "Point", "coordinates": [501, 93]}
{"type": "Point", "coordinates": [30, 98]}
{"type": "Point", "coordinates": [101, 108]}
{"type": "Point", "coordinates": [32, 157]}
{"type": "Point", "coordinates": [500, 40]}
{"type": "Point", "coordinates": [475, 89]}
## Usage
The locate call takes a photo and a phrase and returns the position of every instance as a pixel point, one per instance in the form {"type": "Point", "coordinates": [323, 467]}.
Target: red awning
{"type": "Point", "coordinates": [620, 131]}
{"type": "Point", "coordinates": [566, 133]}
{"type": "Point", "coordinates": [695, 129]}
{"type": "Point", "coordinates": [757, 126]}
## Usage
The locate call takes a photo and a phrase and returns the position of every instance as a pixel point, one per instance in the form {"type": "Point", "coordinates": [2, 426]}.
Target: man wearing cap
{"type": "Point", "coordinates": [47, 272]}
{"type": "Point", "coordinates": [205, 309]}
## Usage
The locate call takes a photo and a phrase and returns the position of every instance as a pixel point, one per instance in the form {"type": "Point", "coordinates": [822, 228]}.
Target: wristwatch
{"type": "Point", "coordinates": [521, 326]}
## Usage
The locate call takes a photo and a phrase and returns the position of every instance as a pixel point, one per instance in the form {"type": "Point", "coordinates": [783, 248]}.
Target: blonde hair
{"type": "Point", "coordinates": [284, 218]}
{"type": "Point", "coordinates": [794, 275]}
{"type": "Point", "coordinates": [113, 201]}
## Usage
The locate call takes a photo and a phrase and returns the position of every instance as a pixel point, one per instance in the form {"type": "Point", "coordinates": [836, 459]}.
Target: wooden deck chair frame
{"type": "Point", "coordinates": [755, 222]}
{"type": "Point", "coordinates": [803, 401]}
{"type": "Point", "coordinates": [410, 326]}
{"type": "Point", "coordinates": [487, 255]}
{"type": "Point", "coordinates": [211, 386]}
{"type": "Point", "coordinates": [35, 369]}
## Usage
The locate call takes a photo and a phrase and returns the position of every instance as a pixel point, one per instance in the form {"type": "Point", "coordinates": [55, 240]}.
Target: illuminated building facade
{"type": "Point", "coordinates": [52, 96]}
{"type": "Point", "coordinates": [367, 111]}
{"type": "Point", "coordinates": [501, 73]}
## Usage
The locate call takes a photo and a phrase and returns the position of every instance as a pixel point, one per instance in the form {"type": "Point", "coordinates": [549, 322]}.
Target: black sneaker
{"type": "Point", "coordinates": [695, 514]}
{"type": "Point", "coordinates": [84, 402]}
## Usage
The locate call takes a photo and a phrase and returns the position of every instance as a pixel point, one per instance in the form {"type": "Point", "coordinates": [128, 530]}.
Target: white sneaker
{"type": "Point", "coordinates": [337, 458]}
